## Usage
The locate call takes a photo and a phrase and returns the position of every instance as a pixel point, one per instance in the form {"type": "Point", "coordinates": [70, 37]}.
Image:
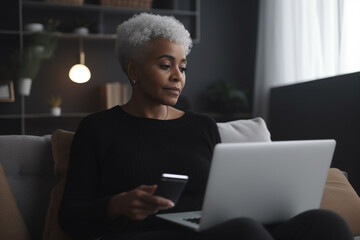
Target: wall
{"type": "Point", "coordinates": [227, 48]}
{"type": "Point", "coordinates": [226, 52]}
{"type": "Point", "coordinates": [321, 109]}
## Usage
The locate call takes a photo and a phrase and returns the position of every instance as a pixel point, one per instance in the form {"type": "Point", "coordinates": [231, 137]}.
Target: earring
{"type": "Point", "coordinates": [134, 82]}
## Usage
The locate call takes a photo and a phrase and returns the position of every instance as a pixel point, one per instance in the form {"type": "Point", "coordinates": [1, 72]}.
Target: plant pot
{"type": "Point", "coordinates": [39, 49]}
{"type": "Point", "coordinates": [24, 86]}
{"type": "Point", "coordinates": [55, 111]}
{"type": "Point", "coordinates": [81, 30]}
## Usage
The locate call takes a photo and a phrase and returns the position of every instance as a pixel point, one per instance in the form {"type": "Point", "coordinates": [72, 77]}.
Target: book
{"type": "Point", "coordinates": [114, 93]}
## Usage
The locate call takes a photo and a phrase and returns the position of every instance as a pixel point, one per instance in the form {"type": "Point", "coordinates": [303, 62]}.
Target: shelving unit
{"type": "Point", "coordinates": [105, 20]}
{"type": "Point", "coordinates": [190, 17]}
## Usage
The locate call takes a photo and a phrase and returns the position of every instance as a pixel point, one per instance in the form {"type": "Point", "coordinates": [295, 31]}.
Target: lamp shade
{"type": "Point", "coordinates": [79, 73]}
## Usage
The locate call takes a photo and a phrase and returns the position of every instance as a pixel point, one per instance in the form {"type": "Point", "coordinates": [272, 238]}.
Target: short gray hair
{"type": "Point", "coordinates": [142, 28]}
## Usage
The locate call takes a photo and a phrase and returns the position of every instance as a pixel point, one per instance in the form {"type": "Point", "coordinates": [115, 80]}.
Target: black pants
{"type": "Point", "coordinates": [310, 225]}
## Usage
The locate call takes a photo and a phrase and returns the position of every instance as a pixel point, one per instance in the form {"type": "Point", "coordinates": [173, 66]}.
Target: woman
{"type": "Point", "coordinates": [118, 155]}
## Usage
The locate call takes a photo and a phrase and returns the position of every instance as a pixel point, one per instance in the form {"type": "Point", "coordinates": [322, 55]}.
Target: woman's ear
{"type": "Point", "coordinates": [131, 71]}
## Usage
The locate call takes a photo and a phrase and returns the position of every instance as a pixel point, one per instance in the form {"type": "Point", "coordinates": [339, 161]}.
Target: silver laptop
{"type": "Point", "coordinates": [269, 182]}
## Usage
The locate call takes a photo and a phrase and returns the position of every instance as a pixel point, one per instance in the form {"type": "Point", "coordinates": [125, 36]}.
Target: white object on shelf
{"type": "Point", "coordinates": [34, 27]}
{"type": "Point", "coordinates": [24, 86]}
{"type": "Point", "coordinates": [55, 111]}
{"type": "Point", "coordinates": [81, 30]}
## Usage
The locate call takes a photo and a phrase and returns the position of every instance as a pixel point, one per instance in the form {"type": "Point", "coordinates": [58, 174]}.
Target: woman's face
{"type": "Point", "coordinates": [160, 77]}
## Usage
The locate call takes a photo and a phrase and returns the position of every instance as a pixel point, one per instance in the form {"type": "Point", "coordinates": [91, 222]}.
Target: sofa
{"type": "Point", "coordinates": [33, 171]}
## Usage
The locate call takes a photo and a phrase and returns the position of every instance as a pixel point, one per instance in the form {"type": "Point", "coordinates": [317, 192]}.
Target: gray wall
{"type": "Point", "coordinates": [226, 52]}
{"type": "Point", "coordinates": [227, 48]}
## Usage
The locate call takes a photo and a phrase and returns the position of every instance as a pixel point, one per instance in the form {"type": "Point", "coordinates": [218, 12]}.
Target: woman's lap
{"type": "Point", "coordinates": [314, 224]}
{"type": "Point", "coordinates": [250, 229]}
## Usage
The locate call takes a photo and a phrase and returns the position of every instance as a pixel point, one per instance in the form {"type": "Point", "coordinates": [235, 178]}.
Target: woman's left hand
{"type": "Point", "coordinates": [138, 203]}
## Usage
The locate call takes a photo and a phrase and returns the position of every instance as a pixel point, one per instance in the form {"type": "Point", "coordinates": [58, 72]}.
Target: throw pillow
{"type": "Point", "coordinates": [340, 197]}
{"type": "Point", "coordinates": [52, 229]}
{"type": "Point", "coordinates": [12, 225]}
{"type": "Point", "coordinates": [61, 143]}
{"type": "Point", "coordinates": [249, 130]}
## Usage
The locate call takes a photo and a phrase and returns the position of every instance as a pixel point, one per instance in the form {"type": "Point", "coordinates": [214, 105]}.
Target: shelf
{"type": "Point", "coordinates": [12, 32]}
{"type": "Point", "coordinates": [105, 9]}
{"type": "Point", "coordinates": [43, 115]}
{"type": "Point", "coordinates": [87, 36]}
{"type": "Point", "coordinates": [65, 35]}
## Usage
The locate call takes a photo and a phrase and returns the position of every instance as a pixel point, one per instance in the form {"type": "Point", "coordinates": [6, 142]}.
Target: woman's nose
{"type": "Point", "coordinates": [176, 75]}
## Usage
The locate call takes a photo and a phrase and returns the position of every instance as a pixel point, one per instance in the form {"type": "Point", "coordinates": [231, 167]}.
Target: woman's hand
{"type": "Point", "coordinates": [138, 203]}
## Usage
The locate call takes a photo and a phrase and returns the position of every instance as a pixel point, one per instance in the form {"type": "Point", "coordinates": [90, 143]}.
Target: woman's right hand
{"type": "Point", "coordinates": [137, 204]}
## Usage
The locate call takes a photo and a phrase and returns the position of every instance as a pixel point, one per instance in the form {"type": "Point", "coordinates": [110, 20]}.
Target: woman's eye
{"type": "Point", "coordinates": [183, 69]}
{"type": "Point", "coordinates": [165, 67]}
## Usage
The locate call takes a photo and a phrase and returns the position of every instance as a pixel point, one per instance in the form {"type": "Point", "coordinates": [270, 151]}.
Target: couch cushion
{"type": "Point", "coordinates": [249, 130]}
{"type": "Point", "coordinates": [12, 225]}
{"type": "Point", "coordinates": [340, 197]}
{"type": "Point", "coordinates": [52, 229]}
{"type": "Point", "coordinates": [61, 144]}
{"type": "Point", "coordinates": [27, 163]}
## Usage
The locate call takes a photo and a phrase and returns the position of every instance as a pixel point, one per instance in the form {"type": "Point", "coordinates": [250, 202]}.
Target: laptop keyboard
{"type": "Point", "coordinates": [195, 220]}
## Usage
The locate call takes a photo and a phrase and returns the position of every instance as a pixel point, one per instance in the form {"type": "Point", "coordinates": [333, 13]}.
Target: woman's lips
{"type": "Point", "coordinates": [173, 91]}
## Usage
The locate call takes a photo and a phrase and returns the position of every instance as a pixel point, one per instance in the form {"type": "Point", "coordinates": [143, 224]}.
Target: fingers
{"type": "Point", "coordinates": [161, 202]}
{"type": "Point", "coordinates": [149, 189]}
{"type": "Point", "coordinates": [138, 203]}
{"type": "Point", "coordinates": [144, 204]}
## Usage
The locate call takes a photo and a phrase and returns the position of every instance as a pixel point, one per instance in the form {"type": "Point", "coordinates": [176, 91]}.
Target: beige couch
{"type": "Point", "coordinates": [34, 168]}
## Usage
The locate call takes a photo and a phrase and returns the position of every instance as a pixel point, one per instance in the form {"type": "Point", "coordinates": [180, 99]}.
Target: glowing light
{"type": "Point", "coordinates": [79, 73]}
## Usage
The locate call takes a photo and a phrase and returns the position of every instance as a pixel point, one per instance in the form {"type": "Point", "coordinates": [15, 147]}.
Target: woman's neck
{"type": "Point", "coordinates": [161, 112]}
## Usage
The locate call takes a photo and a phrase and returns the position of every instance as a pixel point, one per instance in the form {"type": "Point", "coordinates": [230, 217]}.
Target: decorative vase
{"type": "Point", "coordinates": [55, 111]}
{"type": "Point", "coordinates": [24, 86]}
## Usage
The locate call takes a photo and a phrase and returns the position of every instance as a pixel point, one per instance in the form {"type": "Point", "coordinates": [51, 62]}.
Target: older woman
{"type": "Point", "coordinates": [118, 155]}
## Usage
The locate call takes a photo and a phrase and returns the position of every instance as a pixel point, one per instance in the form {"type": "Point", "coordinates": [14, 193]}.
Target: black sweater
{"type": "Point", "coordinates": [114, 152]}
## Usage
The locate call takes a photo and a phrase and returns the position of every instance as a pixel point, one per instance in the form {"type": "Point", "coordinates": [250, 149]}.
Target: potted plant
{"type": "Point", "coordinates": [227, 98]}
{"type": "Point", "coordinates": [55, 105]}
{"type": "Point", "coordinates": [44, 41]}
{"type": "Point", "coordinates": [25, 64]}
{"type": "Point", "coordinates": [24, 68]}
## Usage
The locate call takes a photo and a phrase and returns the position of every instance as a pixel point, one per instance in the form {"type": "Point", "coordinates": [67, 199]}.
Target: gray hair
{"type": "Point", "coordinates": [136, 33]}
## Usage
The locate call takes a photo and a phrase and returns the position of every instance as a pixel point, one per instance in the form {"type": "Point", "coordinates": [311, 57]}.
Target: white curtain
{"type": "Point", "coordinates": [350, 37]}
{"type": "Point", "coordinates": [298, 40]}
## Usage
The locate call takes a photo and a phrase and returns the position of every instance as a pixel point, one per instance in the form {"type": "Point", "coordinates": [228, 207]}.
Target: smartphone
{"type": "Point", "coordinates": [171, 186]}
